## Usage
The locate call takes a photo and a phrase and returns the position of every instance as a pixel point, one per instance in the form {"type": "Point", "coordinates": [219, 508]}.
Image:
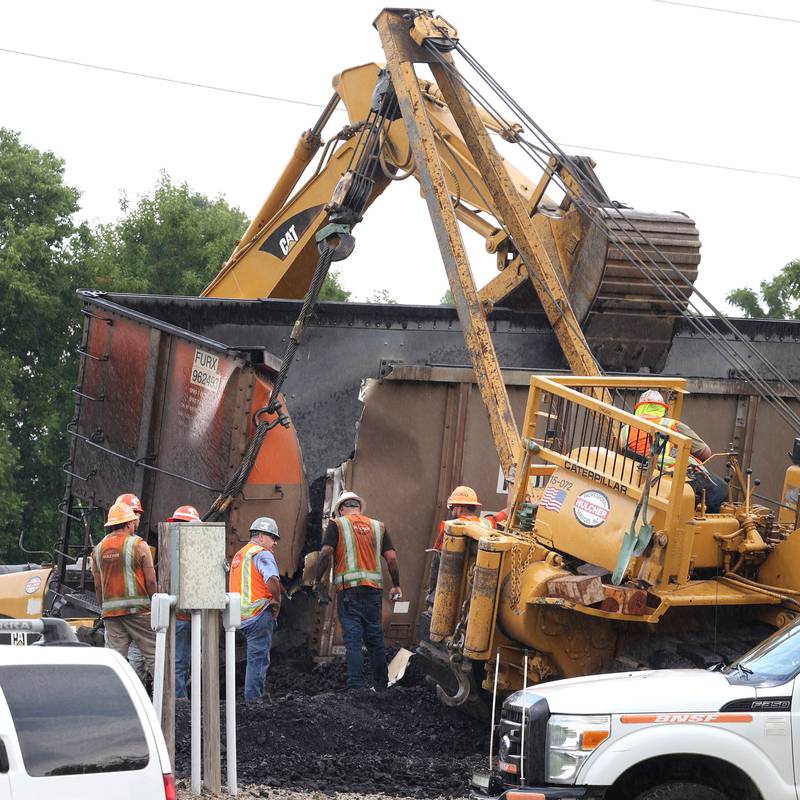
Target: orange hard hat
{"type": "Point", "coordinates": [185, 514]}
{"type": "Point", "coordinates": [120, 513]}
{"type": "Point", "coordinates": [463, 496]}
{"type": "Point", "coordinates": [131, 500]}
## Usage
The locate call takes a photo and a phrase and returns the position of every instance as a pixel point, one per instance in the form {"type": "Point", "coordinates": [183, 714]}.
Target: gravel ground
{"type": "Point", "coordinates": [263, 791]}
{"type": "Point", "coordinates": [318, 740]}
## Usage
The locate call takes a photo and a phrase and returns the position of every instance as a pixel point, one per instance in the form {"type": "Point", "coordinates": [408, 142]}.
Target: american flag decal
{"type": "Point", "coordinates": [553, 498]}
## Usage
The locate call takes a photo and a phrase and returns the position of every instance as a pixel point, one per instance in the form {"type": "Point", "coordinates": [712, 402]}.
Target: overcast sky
{"type": "Point", "coordinates": [634, 76]}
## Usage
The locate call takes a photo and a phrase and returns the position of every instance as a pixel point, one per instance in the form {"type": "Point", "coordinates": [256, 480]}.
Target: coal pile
{"type": "Point", "coordinates": [313, 735]}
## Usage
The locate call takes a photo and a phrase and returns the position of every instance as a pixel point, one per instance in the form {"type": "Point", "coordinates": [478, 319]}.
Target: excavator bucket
{"type": "Point", "coordinates": [627, 321]}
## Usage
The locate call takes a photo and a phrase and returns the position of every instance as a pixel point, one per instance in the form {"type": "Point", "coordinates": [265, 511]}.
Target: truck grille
{"type": "Point", "coordinates": [536, 717]}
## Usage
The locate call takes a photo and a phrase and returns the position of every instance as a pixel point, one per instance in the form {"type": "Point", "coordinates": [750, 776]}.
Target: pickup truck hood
{"type": "Point", "coordinates": [638, 692]}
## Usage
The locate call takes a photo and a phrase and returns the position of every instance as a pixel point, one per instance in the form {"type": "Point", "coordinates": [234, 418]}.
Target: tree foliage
{"type": "Point", "coordinates": [780, 296]}
{"type": "Point", "coordinates": [332, 289]}
{"type": "Point", "coordinates": [172, 242]}
{"type": "Point", "coordinates": [39, 329]}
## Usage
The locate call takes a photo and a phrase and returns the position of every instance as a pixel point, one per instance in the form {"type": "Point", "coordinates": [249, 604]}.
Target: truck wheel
{"type": "Point", "coordinates": [680, 790]}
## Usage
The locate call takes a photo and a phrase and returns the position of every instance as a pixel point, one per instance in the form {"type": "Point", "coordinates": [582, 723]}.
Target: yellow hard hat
{"type": "Point", "coordinates": [463, 496]}
{"type": "Point", "coordinates": [120, 513]}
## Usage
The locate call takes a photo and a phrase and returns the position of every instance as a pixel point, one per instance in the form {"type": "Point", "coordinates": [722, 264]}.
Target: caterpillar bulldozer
{"type": "Point", "coordinates": [582, 263]}
{"type": "Point", "coordinates": [615, 566]}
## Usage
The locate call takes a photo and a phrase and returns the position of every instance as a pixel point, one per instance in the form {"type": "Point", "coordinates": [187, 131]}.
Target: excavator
{"type": "Point", "coordinates": [500, 616]}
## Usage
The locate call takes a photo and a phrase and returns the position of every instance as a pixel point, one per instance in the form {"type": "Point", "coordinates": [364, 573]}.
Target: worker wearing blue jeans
{"type": "Point", "coordinates": [258, 633]}
{"type": "Point", "coordinates": [183, 656]}
{"type": "Point", "coordinates": [254, 575]}
{"type": "Point", "coordinates": [355, 543]}
{"type": "Point", "coordinates": [183, 623]}
{"type": "Point", "coordinates": [359, 612]}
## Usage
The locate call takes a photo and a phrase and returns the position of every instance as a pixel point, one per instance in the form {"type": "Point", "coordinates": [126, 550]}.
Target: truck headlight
{"type": "Point", "coordinates": [570, 741]}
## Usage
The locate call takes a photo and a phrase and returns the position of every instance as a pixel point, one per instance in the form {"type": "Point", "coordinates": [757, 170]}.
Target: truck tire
{"type": "Point", "coordinates": [681, 790]}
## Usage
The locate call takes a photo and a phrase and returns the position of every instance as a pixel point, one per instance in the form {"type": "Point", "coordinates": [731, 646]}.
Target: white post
{"type": "Point", "coordinates": [197, 778]}
{"type": "Point", "coordinates": [158, 678]}
{"type": "Point", "coordinates": [230, 709]}
{"type": "Point", "coordinates": [160, 605]}
{"type": "Point", "coordinates": [494, 706]}
{"type": "Point", "coordinates": [232, 619]}
{"type": "Point", "coordinates": [522, 732]}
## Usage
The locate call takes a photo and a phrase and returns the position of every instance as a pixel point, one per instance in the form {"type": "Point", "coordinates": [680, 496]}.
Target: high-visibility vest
{"type": "Point", "coordinates": [500, 518]}
{"type": "Point", "coordinates": [440, 536]}
{"type": "Point", "coordinates": [247, 580]}
{"type": "Point", "coordinates": [640, 441]}
{"type": "Point", "coordinates": [358, 552]}
{"type": "Point", "coordinates": [121, 576]}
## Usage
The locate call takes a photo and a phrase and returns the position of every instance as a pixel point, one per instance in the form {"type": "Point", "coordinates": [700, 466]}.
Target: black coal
{"type": "Point", "coordinates": [312, 734]}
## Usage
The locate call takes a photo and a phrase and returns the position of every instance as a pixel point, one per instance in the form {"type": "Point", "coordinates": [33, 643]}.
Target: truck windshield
{"type": "Point", "coordinates": [775, 661]}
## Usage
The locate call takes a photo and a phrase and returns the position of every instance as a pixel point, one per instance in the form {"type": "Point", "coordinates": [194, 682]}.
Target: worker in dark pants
{"type": "Point", "coordinates": [357, 544]}
{"type": "Point", "coordinates": [124, 581]}
{"type": "Point", "coordinates": [254, 575]}
{"type": "Point", "coordinates": [652, 407]}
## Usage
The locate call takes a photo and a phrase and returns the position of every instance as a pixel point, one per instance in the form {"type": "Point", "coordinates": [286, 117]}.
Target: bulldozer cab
{"type": "Point", "coordinates": [606, 503]}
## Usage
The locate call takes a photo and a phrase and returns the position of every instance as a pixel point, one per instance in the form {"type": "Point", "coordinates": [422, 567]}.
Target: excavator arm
{"type": "Point", "coordinates": [551, 256]}
{"type": "Point", "coordinates": [277, 253]}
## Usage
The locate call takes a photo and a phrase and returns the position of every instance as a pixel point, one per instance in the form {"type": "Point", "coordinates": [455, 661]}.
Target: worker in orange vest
{"type": "Point", "coordinates": [125, 580]}
{"type": "Point", "coordinates": [463, 506]}
{"type": "Point", "coordinates": [255, 576]}
{"type": "Point", "coordinates": [652, 407]}
{"type": "Point", "coordinates": [357, 543]}
{"type": "Point", "coordinates": [135, 657]}
{"type": "Point", "coordinates": [183, 621]}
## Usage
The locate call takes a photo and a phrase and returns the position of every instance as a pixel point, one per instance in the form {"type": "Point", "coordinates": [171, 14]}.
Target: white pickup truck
{"type": "Point", "coordinates": [684, 734]}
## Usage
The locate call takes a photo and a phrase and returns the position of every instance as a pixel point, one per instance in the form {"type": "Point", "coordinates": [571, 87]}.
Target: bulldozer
{"type": "Point", "coordinates": [583, 264]}
{"type": "Point", "coordinates": [615, 566]}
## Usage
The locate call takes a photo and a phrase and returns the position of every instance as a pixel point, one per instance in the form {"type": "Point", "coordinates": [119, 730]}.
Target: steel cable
{"type": "Point", "coordinates": [263, 426]}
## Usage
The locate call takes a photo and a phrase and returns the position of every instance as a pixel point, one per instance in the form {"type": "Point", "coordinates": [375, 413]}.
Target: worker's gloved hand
{"type": "Point", "coordinates": [395, 593]}
{"type": "Point", "coordinates": [321, 594]}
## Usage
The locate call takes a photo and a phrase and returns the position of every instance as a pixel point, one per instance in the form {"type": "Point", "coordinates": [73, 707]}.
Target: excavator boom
{"type": "Point", "coordinates": [627, 323]}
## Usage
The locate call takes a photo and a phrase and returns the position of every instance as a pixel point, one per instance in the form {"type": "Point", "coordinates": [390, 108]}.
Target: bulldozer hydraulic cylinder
{"type": "Point", "coordinates": [448, 587]}
{"type": "Point", "coordinates": [480, 622]}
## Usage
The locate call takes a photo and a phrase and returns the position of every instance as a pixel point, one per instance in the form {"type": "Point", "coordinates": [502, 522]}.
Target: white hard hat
{"type": "Point", "coordinates": [651, 396]}
{"type": "Point", "coordinates": [265, 525]}
{"type": "Point", "coordinates": [347, 496]}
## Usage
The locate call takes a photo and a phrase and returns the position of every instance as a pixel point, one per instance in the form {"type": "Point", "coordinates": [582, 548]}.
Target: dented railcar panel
{"type": "Point", "coordinates": [168, 414]}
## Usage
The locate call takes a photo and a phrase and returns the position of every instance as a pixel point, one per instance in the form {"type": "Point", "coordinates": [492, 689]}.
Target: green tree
{"type": "Point", "coordinates": [447, 298]}
{"type": "Point", "coordinates": [332, 289]}
{"type": "Point", "coordinates": [172, 242]}
{"type": "Point", "coordinates": [39, 329]}
{"type": "Point", "coordinates": [780, 295]}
